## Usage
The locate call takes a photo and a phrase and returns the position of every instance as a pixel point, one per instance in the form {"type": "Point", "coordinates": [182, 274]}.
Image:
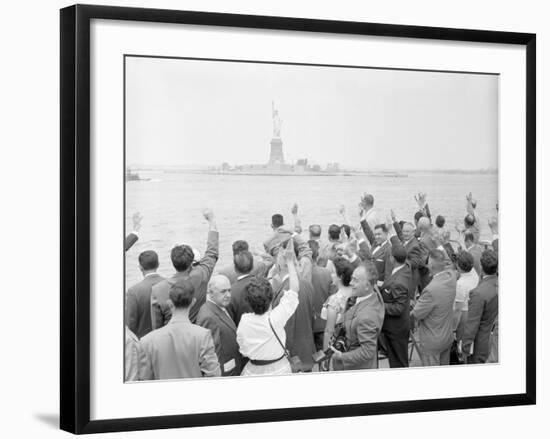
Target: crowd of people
{"type": "Point", "coordinates": [370, 289]}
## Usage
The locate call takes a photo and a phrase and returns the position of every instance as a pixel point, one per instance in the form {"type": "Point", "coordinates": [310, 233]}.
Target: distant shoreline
{"type": "Point", "coordinates": [377, 173]}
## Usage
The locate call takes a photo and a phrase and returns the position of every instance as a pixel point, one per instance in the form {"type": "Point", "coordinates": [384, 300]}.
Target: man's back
{"type": "Point", "coordinates": [482, 313]}
{"type": "Point", "coordinates": [199, 275]}
{"type": "Point", "coordinates": [299, 328]}
{"type": "Point", "coordinates": [260, 268]}
{"type": "Point", "coordinates": [238, 306]}
{"type": "Point", "coordinates": [138, 305]}
{"type": "Point", "coordinates": [434, 311]}
{"type": "Point", "coordinates": [180, 350]}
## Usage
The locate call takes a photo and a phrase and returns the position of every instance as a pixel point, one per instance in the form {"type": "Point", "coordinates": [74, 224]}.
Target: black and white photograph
{"type": "Point", "coordinates": [286, 218]}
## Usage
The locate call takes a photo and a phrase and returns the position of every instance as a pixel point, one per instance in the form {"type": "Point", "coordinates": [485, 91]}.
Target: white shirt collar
{"type": "Point", "coordinates": [242, 276]}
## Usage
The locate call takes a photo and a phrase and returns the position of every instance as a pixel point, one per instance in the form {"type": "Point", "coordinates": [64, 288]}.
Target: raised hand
{"type": "Point", "coordinates": [393, 216]}
{"type": "Point", "coordinates": [358, 234]}
{"type": "Point", "coordinates": [343, 235]}
{"type": "Point", "coordinates": [421, 200]}
{"type": "Point", "coordinates": [493, 224]}
{"type": "Point", "coordinates": [208, 214]}
{"type": "Point", "coordinates": [136, 220]}
{"type": "Point", "coordinates": [294, 209]}
{"type": "Point", "coordinates": [470, 203]}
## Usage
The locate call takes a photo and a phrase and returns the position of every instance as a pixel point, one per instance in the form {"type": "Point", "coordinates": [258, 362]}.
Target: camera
{"type": "Point", "coordinates": [339, 344]}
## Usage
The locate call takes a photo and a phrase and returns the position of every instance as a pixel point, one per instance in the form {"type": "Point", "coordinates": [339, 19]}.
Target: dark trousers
{"type": "Point", "coordinates": [397, 349]}
{"type": "Point", "coordinates": [318, 338]}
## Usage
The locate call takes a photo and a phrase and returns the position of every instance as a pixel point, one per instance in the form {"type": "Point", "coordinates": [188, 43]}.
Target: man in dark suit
{"type": "Point", "coordinates": [138, 297]}
{"type": "Point", "coordinates": [415, 256]}
{"type": "Point", "coordinates": [363, 322]}
{"type": "Point", "coordinates": [396, 296]}
{"type": "Point", "coordinates": [299, 328]}
{"type": "Point", "coordinates": [321, 280]}
{"type": "Point", "coordinates": [243, 262]}
{"type": "Point", "coordinates": [482, 311]}
{"type": "Point", "coordinates": [213, 315]}
{"type": "Point", "coordinates": [182, 258]}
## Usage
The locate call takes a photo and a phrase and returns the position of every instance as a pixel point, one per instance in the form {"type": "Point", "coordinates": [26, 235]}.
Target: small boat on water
{"type": "Point", "coordinates": [133, 176]}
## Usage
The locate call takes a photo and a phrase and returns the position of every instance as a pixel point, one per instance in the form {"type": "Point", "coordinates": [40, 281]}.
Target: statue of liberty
{"type": "Point", "coordinates": [277, 122]}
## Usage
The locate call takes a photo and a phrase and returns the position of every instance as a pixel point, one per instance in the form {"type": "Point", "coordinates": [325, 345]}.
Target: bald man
{"type": "Point", "coordinates": [213, 315]}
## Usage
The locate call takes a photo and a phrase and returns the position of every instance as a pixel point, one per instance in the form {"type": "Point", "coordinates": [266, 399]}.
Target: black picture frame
{"type": "Point", "coordinates": [75, 216]}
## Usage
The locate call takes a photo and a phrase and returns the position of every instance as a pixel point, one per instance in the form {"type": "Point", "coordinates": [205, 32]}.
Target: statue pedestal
{"type": "Point", "coordinates": [276, 152]}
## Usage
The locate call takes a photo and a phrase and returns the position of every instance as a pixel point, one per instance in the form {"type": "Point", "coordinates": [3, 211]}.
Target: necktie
{"type": "Point", "coordinates": [351, 302]}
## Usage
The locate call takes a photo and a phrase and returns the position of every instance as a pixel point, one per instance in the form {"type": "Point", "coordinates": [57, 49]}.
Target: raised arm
{"type": "Point", "coordinates": [297, 222]}
{"type": "Point", "coordinates": [304, 263]}
{"type": "Point", "coordinates": [133, 236]}
{"type": "Point", "coordinates": [396, 226]}
{"type": "Point", "coordinates": [289, 302]}
{"type": "Point", "coordinates": [208, 261]}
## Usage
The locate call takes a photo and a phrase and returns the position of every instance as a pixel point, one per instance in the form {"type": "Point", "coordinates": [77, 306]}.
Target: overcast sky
{"type": "Point", "coordinates": [194, 112]}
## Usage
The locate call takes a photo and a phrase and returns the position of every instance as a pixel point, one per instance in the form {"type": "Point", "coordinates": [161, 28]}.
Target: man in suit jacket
{"type": "Point", "coordinates": [363, 322]}
{"type": "Point", "coordinates": [182, 258]}
{"type": "Point", "coordinates": [323, 286]}
{"type": "Point", "coordinates": [415, 256]}
{"type": "Point", "coordinates": [434, 312]}
{"type": "Point", "coordinates": [482, 311]}
{"type": "Point", "coordinates": [261, 266]}
{"type": "Point", "coordinates": [213, 315]}
{"type": "Point", "coordinates": [180, 349]}
{"type": "Point", "coordinates": [396, 296]}
{"type": "Point", "coordinates": [299, 328]}
{"type": "Point", "coordinates": [243, 262]}
{"type": "Point", "coordinates": [138, 297]}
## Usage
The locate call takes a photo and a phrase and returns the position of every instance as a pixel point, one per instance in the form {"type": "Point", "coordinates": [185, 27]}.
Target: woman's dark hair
{"type": "Point", "coordinates": [440, 221]}
{"type": "Point", "coordinates": [258, 294]}
{"type": "Point", "coordinates": [344, 270]}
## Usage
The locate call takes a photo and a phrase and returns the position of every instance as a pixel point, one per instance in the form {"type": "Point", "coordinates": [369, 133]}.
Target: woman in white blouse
{"type": "Point", "coordinates": [256, 332]}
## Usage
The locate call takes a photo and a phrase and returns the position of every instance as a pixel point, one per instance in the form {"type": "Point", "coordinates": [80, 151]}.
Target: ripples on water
{"type": "Point", "coordinates": [171, 205]}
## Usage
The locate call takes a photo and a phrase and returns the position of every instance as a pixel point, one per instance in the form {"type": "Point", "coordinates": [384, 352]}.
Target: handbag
{"type": "Point", "coordinates": [295, 362]}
